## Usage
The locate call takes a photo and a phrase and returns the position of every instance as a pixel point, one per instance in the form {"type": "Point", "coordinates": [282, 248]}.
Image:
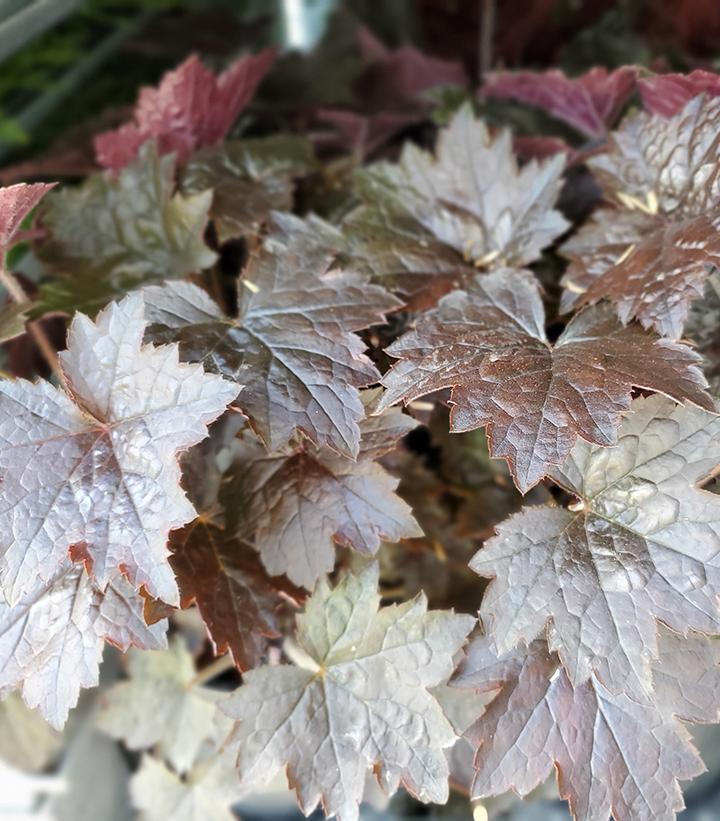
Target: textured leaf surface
{"type": "Point", "coordinates": [399, 253]}
{"type": "Point", "coordinates": [589, 103]}
{"type": "Point", "coordinates": [292, 345]}
{"type": "Point", "coordinates": [656, 279]}
{"type": "Point", "coordinates": [159, 706]}
{"type": "Point", "coordinates": [651, 256]}
{"type": "Point", "coordinates": [668, 94]}
{"type": "Point", "coordinates": [112, 234]}
{"type": "Point", "coordinates": [191, 108]}
{"type": "Point", "coordinates": [94, 471]}
{"type": "Point", "coordinates": [673, 161]}
{"type": "Point", "coordinates": [296, 503]}
{"type": "Point", "coordinates": [612, 755]}
{"type": "Point", "coordinates": [606, 238]}
{"type": "Point", "coordinates": [51, 641]}
{"type": "Point", "coordinates": [16, 202]}
{"type": "Point", "coordinates": [471, 195]}
{"type": "Point", "coordinates": [363, 701]}
{"type": "Point", "coordinates": [488, 344]}
{"type": "Point", "coordinates": [206, 792]}
{"type": "Point", "coordinates": [250, 179]}
{"type": "Point", "coordinates": [239, 602]}
{"type": "Point", "coordinates": [642, 545]}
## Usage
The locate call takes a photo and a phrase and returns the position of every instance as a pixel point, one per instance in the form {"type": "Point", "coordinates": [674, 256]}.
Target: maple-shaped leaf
{"type": "Point", "coordinates": [361, 701]}
{"type": "Point", "coordinates": [612, 755]}
{"type": "Point", "coordinates": [238, 601]}
{"type": "Point", "coordinates": [93, 470]}
{"type": "Point", "coordinates": [16, 202]}
{"type": "Point", "coordinates": [51, 640]}
{"type": "Point", "coordinates": [654, 278]}
{"type": "Point", "coordinates": [158, 705]}
{"type": "Point", "coordinates": [589, 103]}
{"type": "Point", "coordinates": [112, 234]}
{"type": "Point", "coordinates": [208, 791]}
{"type": "Point", "coordinates": [191, 108]}
{"type": "Point", "coordinates": [391, 93]}
{"type": "Point", "coordinates": [651, 254]}
{"type": "Point", "coordinates": [395, 78]}
{"type": "Point", "coordinates": [640, 545]}
{"type": "Point", "coordinates": [250, 179]}
{"type": "Point", "coordinates": [294, 504]}
{"type": "Point", "coordinates": [607, 237]}
{"type": "Point", "coordinates": [471, 195]}
{"type": "Point", "coordinates": [665, 166]}
{"type": "Point", "coordinates": [397, 252]}
{"type": "Point", "coordinates": [668, 94]}
{"type": "Point", "coordinates": [292, 345]}
{"type": "Point", "coordinates": [488, 344]}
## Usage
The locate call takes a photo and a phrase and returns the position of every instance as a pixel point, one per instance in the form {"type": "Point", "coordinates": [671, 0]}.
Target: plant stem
{"type": "Point", "coordinates": [36, 331]}
{"type": "Point", "coordinates": [487, 31]}
{"type": "Point", "coordinates": [214, 669]}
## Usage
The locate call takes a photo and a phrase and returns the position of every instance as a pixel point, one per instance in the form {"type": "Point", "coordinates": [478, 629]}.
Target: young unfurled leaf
{"type": "Point", "coordinates": [612, 755]}
{"type": "Point", "coordinates": [207, 792]}
{"type": "Point", "coordinates": [159, 705]}
{"type": "Point", "coordinates": [295, 503]}
{"type": "Point", "coordinates": [471, 195]}
{"type": "Point", "coordinates": [292, 345]}
{"type": "Point", "coordinates": [51, 641]}
{"type": "Point", "coordinates": [110, 235]}
{"type": "Point", "coordinates": [93, 470]}
{"type": "Point", "coordinates": [651, 255]}
{"type": "Point", "coordinates": [590, 103]}
{"type": "Point", "coordinates": [361, 702]}
{"type": "Point", "coordinates": [16, 202]}
{"type": "Point", "coordinates": [238, 601]}
{"type": "Point", "coordinates": [641, 544]}
{"type": "Point", "coordinates": [249, 178]}
{"type": "Point", "coordinates": [190, 109]}
{"type": "Point", "coordinates": [668, 94]}
{"type": "Point", "coordinates": [488, 344]}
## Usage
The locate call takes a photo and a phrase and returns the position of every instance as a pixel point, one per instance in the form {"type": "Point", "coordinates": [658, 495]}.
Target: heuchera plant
{"type": "Point", "coordinates": [317, 431]}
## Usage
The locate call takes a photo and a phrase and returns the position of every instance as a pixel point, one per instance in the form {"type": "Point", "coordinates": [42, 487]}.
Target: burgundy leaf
{"type": "Point", "coordinates": [16, 202]}
{"type": "Point", "coordinates": [590, 103]}
{"type": "Point", "coordinates": [238, 601]}
{"type": "Point", "coordinates": [667, 94]}
{"type": "Point", "coordinates": [191, 108]}
{"type": "Point", "coordinates": [400, 76]}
